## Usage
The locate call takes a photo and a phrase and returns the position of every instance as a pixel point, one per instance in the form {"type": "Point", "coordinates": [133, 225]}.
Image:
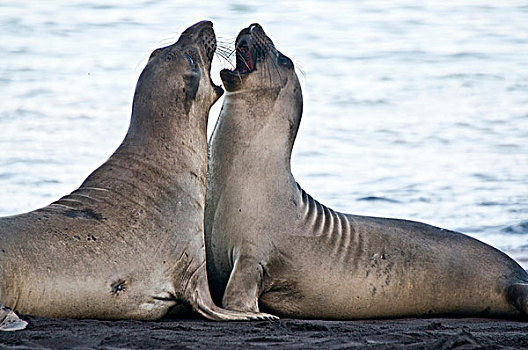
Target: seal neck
{"type": "Point", "coordinates": [259, 133]}
{"type": "Point", "coordinates": [163, 152]}
{"type": "Point", "coordinates": [236, 145]}
{"type": "Point", "coordinates": [163, 127]}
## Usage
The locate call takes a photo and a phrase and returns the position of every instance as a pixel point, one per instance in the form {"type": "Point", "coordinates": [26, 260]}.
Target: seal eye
{"type": "Point", "coordinates": [169, 57]}
{"type": "Point", "coordinates": [285, 61]}
{"type": "Point", "coordinates": [191, 61]}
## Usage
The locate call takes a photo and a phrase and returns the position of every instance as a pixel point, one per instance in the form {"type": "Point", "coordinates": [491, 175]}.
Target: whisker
{"type": "Point", "coordinates": [223, 50]}
{"type": "Point", "coordinates": [228, 53]}
{"type": "Point", "coordinates": [277, 68]}
{"type": "Point", "coordinates": [226, 38]}
{"type": "Point", "coordinates": [269, 76]}
{"type": "Point", "coordinates": [298, 67]}
{"type": "Point", "coordinates": [223, 45]}
{"type": "Point", "coordinates": [225, 59]}
{"type": "Point", "coordinates": [223, 55]}
{"type": "Point", "coordinates": [245, 62]}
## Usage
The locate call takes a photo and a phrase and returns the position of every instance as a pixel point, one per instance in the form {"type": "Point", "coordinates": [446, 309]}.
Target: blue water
{"type": "Point", "coordinates": [412, 110]}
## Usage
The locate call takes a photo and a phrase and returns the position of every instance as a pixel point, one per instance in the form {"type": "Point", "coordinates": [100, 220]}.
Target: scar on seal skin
{"type": "Point", "coordinates": [118, 286]}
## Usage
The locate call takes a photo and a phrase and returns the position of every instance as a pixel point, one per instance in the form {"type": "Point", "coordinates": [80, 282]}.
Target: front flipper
{"type": "Point", "coordinates": [201, 301]}
{"type": "Point", "coordinates": [213, 312]}
{"type": "Point", "coordinates": [9, 321]}
{"type": "Point", "coordinates": [518, 296]}
{"type": "Point", "coordinates": [244, 285]}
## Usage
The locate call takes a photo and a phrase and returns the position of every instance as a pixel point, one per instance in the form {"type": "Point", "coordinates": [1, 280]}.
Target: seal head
{"type": "Point", "coordinates": [257, 62]}
{"type": "Point", "coordinates": [263, 88]}
{"type": "Point", "coordinates": [176, 79]}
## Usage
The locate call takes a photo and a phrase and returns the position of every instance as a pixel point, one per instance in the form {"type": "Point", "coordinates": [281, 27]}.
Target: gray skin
{"type": "Point", "coordinates": [271, 246]}
{"type": "Point", "coordinates": [129, 244]}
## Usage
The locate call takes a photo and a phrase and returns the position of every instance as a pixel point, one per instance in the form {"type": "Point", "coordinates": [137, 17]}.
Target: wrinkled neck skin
{"type": "Point", "coordinates": [161, 120]}
{"type": "Point", "coordinates": [163, 140]}
{"type": "Point", "coordinates": [255, 132]}
{"type": "Point", "coordinates": [160, 130]}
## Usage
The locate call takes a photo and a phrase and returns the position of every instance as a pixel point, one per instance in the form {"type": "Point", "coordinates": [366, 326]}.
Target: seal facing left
{"type": "Point", "coordinates": [128, 244]}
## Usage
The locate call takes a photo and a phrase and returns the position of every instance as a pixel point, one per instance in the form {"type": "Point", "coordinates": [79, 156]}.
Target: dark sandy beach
{"type": "Point", "coordinates": [436, 333]}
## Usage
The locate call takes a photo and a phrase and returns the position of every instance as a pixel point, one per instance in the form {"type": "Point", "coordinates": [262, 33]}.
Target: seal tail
{"type": "Point", "coordinates": [9, 321]}
{"type": "Point", "coordinates": [517, 295]}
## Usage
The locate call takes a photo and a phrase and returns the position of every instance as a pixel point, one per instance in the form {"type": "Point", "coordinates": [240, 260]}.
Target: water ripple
{"type": "Point", "coordinates": [520, 228]}
{"type": "Point", "coordinates": [412, 109]}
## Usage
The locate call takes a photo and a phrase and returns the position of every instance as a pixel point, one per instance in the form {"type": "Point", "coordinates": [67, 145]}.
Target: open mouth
{"type": "Point", "coordinates": [252, 47]}
{"type": "Point", "coordinates": [245, 58]}
{"type": "Point", "coordinates": [249, 51]}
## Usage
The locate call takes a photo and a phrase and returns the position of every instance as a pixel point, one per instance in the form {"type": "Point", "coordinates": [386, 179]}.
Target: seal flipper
{"type": "Point", "coordinates": [9, 321]}
{"type": "Point", "coordinates": [243, 288]}
{"type": "Point", "coordinates": [213, 312]}
{"type": "Point", "coordinates": [517, 295]}
{"type": "Point", "coordinates": [201, 301]}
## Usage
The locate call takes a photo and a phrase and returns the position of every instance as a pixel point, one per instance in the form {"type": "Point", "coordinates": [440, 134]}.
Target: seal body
{"type": "Point", "coordinates": [128, 244]}
{"type": "Point", "coordinates": [270, 245]}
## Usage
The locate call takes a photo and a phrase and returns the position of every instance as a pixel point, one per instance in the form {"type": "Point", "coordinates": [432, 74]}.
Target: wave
{"type": "Point", "coordinates": [517, 229]}
{"type": "Point", "coordinates": [381, 199]}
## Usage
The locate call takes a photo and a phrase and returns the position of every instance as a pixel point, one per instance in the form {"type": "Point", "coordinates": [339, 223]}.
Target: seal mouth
{"type": "Point", "coordinates": [251, 47]}
{"type": "Point", "coordinates": [245, 57]}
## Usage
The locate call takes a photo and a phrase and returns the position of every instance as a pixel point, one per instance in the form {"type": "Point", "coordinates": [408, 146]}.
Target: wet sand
{"type": "Point", "coordinates": [410, 333]}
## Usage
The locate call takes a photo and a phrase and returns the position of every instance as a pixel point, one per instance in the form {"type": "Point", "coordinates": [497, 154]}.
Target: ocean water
{"type": "Point", "coordinates": [412, 110]}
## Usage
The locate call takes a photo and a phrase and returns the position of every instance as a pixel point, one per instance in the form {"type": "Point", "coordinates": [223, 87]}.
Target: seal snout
{"type": "Point", "coordinates": [196, 28]}
{"type": "Point", "coordinates": [255, 27]}
{"type": "Point", "coordinates": [208, 39]}
{"type": "Point", "coordinates": [203, 33]}
{"type": "Point", "coordinates": [251, 47]}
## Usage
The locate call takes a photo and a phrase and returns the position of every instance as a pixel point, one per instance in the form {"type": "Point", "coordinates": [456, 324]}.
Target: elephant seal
{"type": "Point", "coordinates": [271, 246]}
{"type": "Point", "coordinates": [129, 243]}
